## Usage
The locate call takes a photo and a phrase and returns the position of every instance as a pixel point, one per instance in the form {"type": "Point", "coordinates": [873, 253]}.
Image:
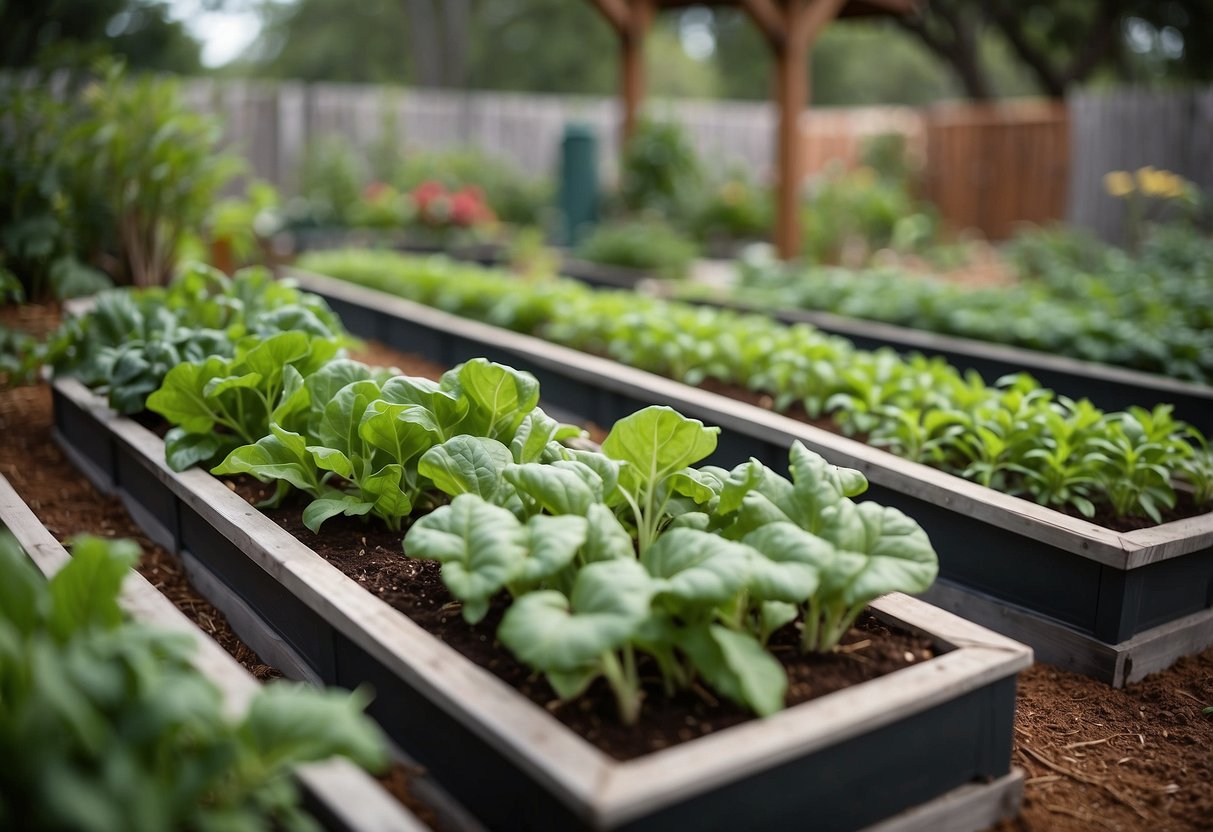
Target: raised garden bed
{"type": "Point", "coordinates": [1109, 387]}
{"type": "Point", "coordinates": [925, 747]}
{"type": "Point", "coordinates": [1114, 605]}
{"type": "Point", "coordinates": [341, 796]}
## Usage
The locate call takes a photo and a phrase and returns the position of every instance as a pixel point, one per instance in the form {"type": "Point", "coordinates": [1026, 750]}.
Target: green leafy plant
{"type": "Point", "coordinates": [118, 732]}
{"type": "Point", "coordinates": [660, 171]}
{"type": "Point", "coordinates": [155, 163]}
{"type": "Point", "coordinates": [648, 246]}
{"type": "Point", "coordinates": [1011, 435]}
{"type": "Point", "coordinates": [364, 445]}
{"type": "Point", "coordinates": [633, 555]}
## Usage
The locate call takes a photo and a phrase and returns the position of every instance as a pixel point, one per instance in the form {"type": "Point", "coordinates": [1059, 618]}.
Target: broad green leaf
{"type": "Point", "coordinates": [323, 385]}
{"type": "Point", "coordinates": [691, 483]}
{"type": "Point", "coordinates": [271, 354]}
{"type": "Point", "coordinates": [386, 488]}
{"type": "Point", "coordinates": [549, 632]}
{"type": "Point", "coordinates": [532, 437]}
{"type": "Point", "coordinates": [23, 591]}
{"type": "Point", "coordinates": [84, 593]}
{"type": "Point", "coordinates": [774, 615]}
{"type": "Point", "coordinates": [606, 468]}
{"type": "Point", "coordinates": [338, 428]}
{"type": "Point", "coordinates": [501, 397]}
{"type": "Point", "coordinates": [282, 455]}
{"type": "Point", "coordinates": [181, 398]}
{"type": "Point", "coordinates": [571, 684]}
{"type": "Point", "coordinates": [402, 431]}
{"type": "Point", "coordinates": [560, 488]}
{"type": "Point", "coordinates": [818, 487]}
{"type": "Point", "coordinates": [655, 442]}
{"type": "Point", "coordinates": [899, 556]}
{"type": "Point", "coordinates": [184, 450]}
{"type": "Point", "coordinates": [606, 538]}
{"type": "Point", "coordinates": [294, 402]}
{"type": "Point", "coordinates": [334, 502]}
{"type": "Point", "coordinates": [790, 562]}
{"type": "Point", "coordinates": [218, 386]}
{"type": "Point", "coordinates": [292, 724]}
{"type": "Point", "coordinates": [331, 459]}
{"type": "Point", "coordinates": [735, 665]}
{"type": "Point", "coordinates": [448, 409]}
{"type": "Point", "coordinates": [466, 465]}
{"type": "Point", "coordinates": [479, 545]}
{"type": "Point", "coordinates": [741, 481]}
{"type": "Point", "coordinates": [552, 544]}
{"type": "Point", "coordinates": [696, 567]}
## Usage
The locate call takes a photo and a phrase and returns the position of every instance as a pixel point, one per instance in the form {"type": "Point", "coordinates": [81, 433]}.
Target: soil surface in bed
{"type": "Point", "coordinates": [1095, 758]}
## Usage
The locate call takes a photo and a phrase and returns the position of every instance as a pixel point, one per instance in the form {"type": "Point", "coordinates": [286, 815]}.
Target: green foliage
{"type": "Point", "coordinates": [660, 171]}
{"type": "Point", "coordinates": [632, 552]}
{"type": "Point", "coordinates": [43, 214]}
{"type": "Point", "coordinates": [1076, 297]}
{"type": "Point", "coordinates": [127, 344]}
{"type": "Point", "coordinates": [153, 162]}
{"type": "Point", "coordinates": [732, 210]}
{"type": "Point", "coordinates": [848, 216]}
{"type": "Point", "coordinates": [649, 246]}
{"type": "Point", "coordinates": [331, 178]}
{"type": "Point", "coordinates": [1012, 435]}
{"type": "Point", "coordinates": [361, 443]}
{"type": "Point", "coordinates": [117, 732]}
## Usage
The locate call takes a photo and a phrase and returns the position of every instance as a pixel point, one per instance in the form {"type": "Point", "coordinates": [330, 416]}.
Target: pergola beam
{"type": "Point", "coordinates": [768, 17]}
{"type": "Point", "coordinates": [616, 12]}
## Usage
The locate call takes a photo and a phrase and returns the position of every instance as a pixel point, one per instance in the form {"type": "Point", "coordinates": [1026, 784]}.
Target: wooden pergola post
{"type": "Point", "coordinates": [790, 28]}
{"type": "Point", "coordinates": [631, 20]}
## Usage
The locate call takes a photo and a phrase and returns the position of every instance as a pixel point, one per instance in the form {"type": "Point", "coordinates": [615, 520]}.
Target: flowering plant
{"type": "Point", "coordinates": [439, 208]}
{"type": "Point", "coordinates": [1149, 189]}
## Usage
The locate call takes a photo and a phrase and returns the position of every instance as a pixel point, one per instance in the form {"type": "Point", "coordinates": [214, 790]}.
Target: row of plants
{"type": "Point", "coordinates": [606, 557]}
{"type": "Point", "coordinates": [1152, 311]}
{"type": "Point", "coordinates": [1012, 435]}
{"type": "Point", "coordinates": [108, 727]}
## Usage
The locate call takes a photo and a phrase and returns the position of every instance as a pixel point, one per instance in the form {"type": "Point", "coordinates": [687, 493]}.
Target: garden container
{"type": "Point", "coordinates": [1113, 605]}
{"type": "Point", "coordinates": [340, 795]}
{"type": "Point", "coordinates": [925, 747]}
{"type": "Point", "coordinates": [1107, 386]}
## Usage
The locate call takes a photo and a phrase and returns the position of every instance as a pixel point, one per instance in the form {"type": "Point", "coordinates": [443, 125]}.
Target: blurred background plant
{"type": "Point", "coordinates": [1152, 195]}
{"type": "Point", "coordinates": [651, 246]}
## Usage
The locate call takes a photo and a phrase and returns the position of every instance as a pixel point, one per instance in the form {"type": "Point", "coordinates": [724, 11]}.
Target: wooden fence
{"type": "Point", "coordinates": [988, 168]}
{"type": "Point", "coordinates": [994, 167]}
{"type": "Point", "coordinates": [1129, 129]}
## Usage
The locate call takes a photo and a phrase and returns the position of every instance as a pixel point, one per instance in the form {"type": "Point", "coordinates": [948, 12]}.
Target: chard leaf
{"type": "Point", "coordinates": [338, 427]}
{"type": "Point", "coordinates": [282, 455]}
{"type": "Point", "coordinates": [552, 543]}
{"type": "Point", "coordinates": [182, 399]}
{"type": "Point", "coordinates": [218, 386]}
{"type": "Point", "coordinates": [689, 482]}
{"type": "Point", "coordinates": [271, 354]}
{"type": "Point", "coordinates": [334, 502]}
{"type": "Point", "coordinates": [466, 465]}
{"type": "Point", "coordinates": [606, 538]}
{"type": "Point", "coordinates": [386, 489]}
{"type": "Point", "coordinates": [480, 546]}
{"type": "Point", "coordinates": [559, 488]}
{"type": "Point", "coordinates": [790, 563]}
{"type": "Point", "coordinates": [696, 567]}
{"type": "Point", "coordinates": [84, 593]}
{"type": "Point", "coordinates": [323, 385]}
{"type": "Point", "coordinates": [447, 408]}
{"type": "Point", "coordinates": [532, 437]}
{"type": "Point", "coordinates": [549, 632]}
{"type": "Point", "coordinates": [818, 487]}
{"type": "Point", "coordinates": [184, 450]}
{"type": "Point", "coordinates": [606, 468]}
{"type": "Point", "coordinates": [294, 402]}
{"type": "Point", "coordinates": [735, 665]}
{"type": "Point", "coordinates": [402, 431]}
{"type": "Point", "coordinates": [897, 555]}
{"type": "Point", "coordinates": [741, 481]}
{"type": "Point", "coordinates": [331, 459]}
{"type": "Point", "coordinates": [656, 442]}
{"type": "Point", "coordinates": [500, 396]}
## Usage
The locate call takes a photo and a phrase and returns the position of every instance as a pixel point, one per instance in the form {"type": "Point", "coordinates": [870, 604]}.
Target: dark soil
{"type": "Point", "coordinates": [374, 559]}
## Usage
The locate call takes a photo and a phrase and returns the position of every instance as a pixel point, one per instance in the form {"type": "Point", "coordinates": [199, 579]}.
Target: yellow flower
{"type": "Point", "coordinates": [1118, 183]}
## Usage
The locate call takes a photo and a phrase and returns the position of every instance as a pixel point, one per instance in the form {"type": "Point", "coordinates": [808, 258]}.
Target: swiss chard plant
{"type": "Point", "coordinates": [366, 443]}
{"type": "Point", "coordinates": [634, 558]}
{"type": "Point", "coordinates": [118, 732]}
